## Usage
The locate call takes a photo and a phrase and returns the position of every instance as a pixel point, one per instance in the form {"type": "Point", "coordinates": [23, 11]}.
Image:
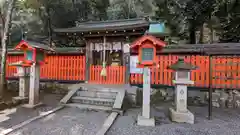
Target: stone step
{"type": "Point", "coordinates": [90, 107]}
{"type": "Point", "coordinates": [96, 94]}
{"type": "Point", "coordinates": [99, 89]}
{"type": "Point", "coordinates": [77, 98]}
{"type": "Point", "coordinates": [93, 101]}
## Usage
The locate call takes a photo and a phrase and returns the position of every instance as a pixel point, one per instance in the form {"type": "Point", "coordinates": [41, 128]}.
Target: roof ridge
{"type": "Point", "coordinates": [111, 21]}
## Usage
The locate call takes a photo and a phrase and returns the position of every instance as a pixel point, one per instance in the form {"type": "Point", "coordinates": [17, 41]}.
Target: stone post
{"type": "Point", "coordinates": [34, 97]}
{"type": "Point", "coordinates": [180, 113]}
{"type": "Point", "coordinates": [145, 119]}
{"type": "Point", "coordinates": [23, 74]}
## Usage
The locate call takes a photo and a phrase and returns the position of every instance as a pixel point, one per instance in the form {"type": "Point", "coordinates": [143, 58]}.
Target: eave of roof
{"type": "Point", "coordinates": [201, 49]}
{"type": "Point", "coordinates": [110, 25]}
{"type": "Point", "coordinates": [34, 44]}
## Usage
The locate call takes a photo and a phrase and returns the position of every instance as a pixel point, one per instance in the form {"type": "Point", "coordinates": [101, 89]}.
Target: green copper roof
{"type": "Point", "coordinates": [156, 28]}
{"type": "Point", "coordinates": [181, 65]}
{"type": "Point", "coordinates": [110, 25]}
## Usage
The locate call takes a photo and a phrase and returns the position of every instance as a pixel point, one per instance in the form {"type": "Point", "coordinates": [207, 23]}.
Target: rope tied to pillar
{"type": "Point", "coordinates": [104, 71]}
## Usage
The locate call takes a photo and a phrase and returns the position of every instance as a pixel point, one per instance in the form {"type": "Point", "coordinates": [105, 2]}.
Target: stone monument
{"type": "Point", "coordinates": [180, 113]}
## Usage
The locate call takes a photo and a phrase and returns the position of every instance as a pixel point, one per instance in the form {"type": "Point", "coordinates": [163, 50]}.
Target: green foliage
{"type": "Point", "coordinates": [183, 17]}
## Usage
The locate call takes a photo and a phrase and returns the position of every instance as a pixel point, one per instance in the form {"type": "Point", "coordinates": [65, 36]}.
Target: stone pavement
{"type": "Point", "coordinates": [72, 121]}
{"type": "Point", "coordinates": [68, 121]}
{"type": "Point", "coordinates": [14, 116]}
{"type": "Point", "coordinates": [225, 122]}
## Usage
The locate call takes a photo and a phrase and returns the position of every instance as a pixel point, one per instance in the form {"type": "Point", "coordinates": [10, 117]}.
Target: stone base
{"type": "Point", "coordinates": [20, 98]}
{"type": "Point", "coordinates": [181, 117]}
{"type": "Point", "coordinates": [142, 121]}
{"type": "Point", "coordinates": [32, 106]}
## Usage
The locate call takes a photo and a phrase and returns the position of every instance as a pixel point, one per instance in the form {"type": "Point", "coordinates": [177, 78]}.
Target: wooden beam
{"type": "Point", "coordinates": [113, 34]}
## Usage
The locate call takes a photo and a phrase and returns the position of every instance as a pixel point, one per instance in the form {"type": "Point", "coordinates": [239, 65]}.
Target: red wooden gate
{"type": "Point", "coordinates": [115, 75]}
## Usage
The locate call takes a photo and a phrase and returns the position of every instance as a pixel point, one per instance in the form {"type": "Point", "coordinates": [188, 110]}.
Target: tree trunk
{"type": "Point", "coordinates": [201, 34]}
{"type": "Point", "coordinates": [4, 39]}
{"type": "Point", "coordinates": [49, 27]}
{"type": "Point", "coordinates": [192, 36]}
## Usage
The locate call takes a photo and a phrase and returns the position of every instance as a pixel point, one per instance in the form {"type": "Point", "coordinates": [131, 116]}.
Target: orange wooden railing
{"type": "Point", "coordinates": [115, 75]}
{"type": "Point", "coordinates": [60, 67]}
{"type": "Point", "coordinates": [57, 67]}
{"type": "Point", "coordinates": [226, 72]}
{"type": "Point", "coordinates": [161, 75]}
{"type": "Point", "coordinates": [10, 69]}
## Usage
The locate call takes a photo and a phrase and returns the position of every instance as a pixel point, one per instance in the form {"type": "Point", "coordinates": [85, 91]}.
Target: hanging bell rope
{"type": "Point", "coordinates": [104, 72]}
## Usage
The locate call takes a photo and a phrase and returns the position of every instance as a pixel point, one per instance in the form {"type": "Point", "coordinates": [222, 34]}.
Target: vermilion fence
{"type": "Point", "coordinates": [115, 75]}
{"type": "Point", "coordinates": [161, 75]}
{"type": "Point", "coordinates": [58, 67]}
{"type": "Point", "coordinates": [225, 71]}
{"type": "Point", "coordinates": [10, 69]}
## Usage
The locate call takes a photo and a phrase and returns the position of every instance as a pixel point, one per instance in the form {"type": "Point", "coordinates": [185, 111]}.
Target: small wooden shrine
{"type": "Point", "coordinates": [117, 34]}
{"type": "Point", "coordinates": [34, 52]}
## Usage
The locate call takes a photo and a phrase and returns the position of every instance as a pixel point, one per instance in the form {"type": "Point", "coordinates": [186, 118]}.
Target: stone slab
{"type": "Point", "coordinates": [18, 98]}
{"type": "Point", "coordinates": [181, 117]}
{"type": "Point", "coordinates": [142, 121]}
{"type": "Point", "coordinates": [119, 99]}
{"type": "Point", "coordinates": [32, 106]}
{"type": "Point", "coordinates": [66, 98]}
{"type": "Point", "coordinates": [108, 123]}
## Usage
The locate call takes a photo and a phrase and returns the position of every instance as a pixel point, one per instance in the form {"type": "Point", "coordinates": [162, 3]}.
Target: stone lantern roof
{"type": "Point", "coordinates": [181, 65]}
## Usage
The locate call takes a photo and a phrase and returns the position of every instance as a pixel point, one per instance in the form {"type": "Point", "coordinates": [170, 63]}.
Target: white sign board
{"type": "Point", "coordinates": [133, 65]}
{"type": "Point", "coordinates": [126, 48]}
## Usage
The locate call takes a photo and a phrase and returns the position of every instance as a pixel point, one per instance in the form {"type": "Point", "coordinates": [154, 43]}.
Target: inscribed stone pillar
{"type": "Point", "coordinates": [34, 93]}
{"type": "Point", "coordinates": [146, 93]}
{"type": "Point", "coordinates": [34, 84]}
{"type": "Point", "coordinates": [144, 119]}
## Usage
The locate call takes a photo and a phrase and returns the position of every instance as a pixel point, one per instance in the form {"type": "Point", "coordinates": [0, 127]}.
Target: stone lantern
{"type": "Point", "coordinates": [147, 47]}
{"type": "Point", "coordinates": [180, 113]}
{"type": "Point", "coordinates": [23, 74]}
{"type": "Point", "coordinates": [34, 56]}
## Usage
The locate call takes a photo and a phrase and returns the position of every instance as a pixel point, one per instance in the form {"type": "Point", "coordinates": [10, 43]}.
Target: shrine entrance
{"type": "Point", "coordinates": [106, 55]}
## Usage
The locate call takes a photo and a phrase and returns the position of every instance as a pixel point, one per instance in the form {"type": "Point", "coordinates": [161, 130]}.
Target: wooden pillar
{"type": "Point", "coordinates": [88, 61]}
{"type": "Point", "coordinates": [126, 62]}
{"type": "Point", "coordinates": [210, 88]}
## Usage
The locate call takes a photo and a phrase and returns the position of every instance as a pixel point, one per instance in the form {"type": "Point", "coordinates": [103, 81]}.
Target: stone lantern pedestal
{"type": "Point", "coordinates": [180, 113]}
{"type": "Point", "coordinates": [23, 74]}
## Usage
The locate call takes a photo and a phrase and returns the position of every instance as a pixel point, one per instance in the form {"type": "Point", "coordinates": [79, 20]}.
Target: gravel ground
{"type": "Point", "coordinates": [225, 122]}
{"type": "Point", "coordinates": [69, 121]}
{"type": "Point", "coordinates": [14, 116]}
